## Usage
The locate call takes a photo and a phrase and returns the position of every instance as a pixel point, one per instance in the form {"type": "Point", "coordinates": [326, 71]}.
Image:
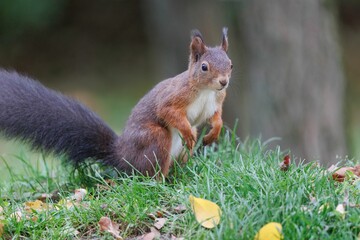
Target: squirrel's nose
{"type": "Point", "coordinates": [223, 82]}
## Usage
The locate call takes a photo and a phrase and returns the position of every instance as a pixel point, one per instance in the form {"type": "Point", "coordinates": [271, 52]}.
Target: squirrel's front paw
{"type": "Point", "coordinates": [190, 141]}
{"type": "Point", "coordinates": [210, 138]}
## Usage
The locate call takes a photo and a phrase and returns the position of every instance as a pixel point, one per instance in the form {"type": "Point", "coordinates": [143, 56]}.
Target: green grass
{"type": "Point", "coordinates": [243, 178]}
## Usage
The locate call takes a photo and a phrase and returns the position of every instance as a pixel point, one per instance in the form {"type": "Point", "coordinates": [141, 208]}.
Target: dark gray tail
{"type": "Point", "coordinates": [50, 121]}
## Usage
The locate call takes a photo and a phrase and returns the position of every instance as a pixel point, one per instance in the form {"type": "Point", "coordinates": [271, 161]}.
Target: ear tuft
{"type": "Point", "coordinates": [225, 43]}
{"type": "Point", "coordinates": [196, 33]}
{"type": "Point", "coordinates": [197, 46]}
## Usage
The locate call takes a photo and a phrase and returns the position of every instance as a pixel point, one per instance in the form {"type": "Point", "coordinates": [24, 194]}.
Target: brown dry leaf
{"type": "Point", "coordinates": [353, 205]}
{"type": "Point", "coordinates": [285, 164]}
{"type": "Point", "coordinates": [104, 206]}
{"type": "Point", "coordinates": [159, 214]}
{"type": "Point", "coordinates": [107, 225]}
{"type": "Point", "coordinates": [339, 174]}
{"type": "Point", "coordinates": [148, 236]}
{"type": "Point", "coordinates": [151, 235]}
{"type": "Point", "coordinates": [159, 223]}
{"type": "Point", "coordinates": [180, 208]}
{"type": "Point", "coordinates": [101, 187]}
{"type": "Point", "coordinates": [110, 182]}
{"type": "Point", "coordinates": [44, 197]}
{"type": "Point", "coordinates": [176, 238]}
{"type": "Point", "coordinates": [80, 194]}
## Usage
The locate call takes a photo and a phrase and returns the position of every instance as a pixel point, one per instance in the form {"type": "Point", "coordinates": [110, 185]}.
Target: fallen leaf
{"type": "Point", "coordinates": [37, 205]}
{"type": "Point", "coordinates": [152, 216]}
{"type": "Point", "coordinates": [339, 174]}
{"type": "Point", "coordinates": [180, 208]}
{"type": "Point", "coordinates": [66, 203]}
{"type": "Point", "coordinates": [69, 230]}
{"type": "Point", "coordinates": [101, 187]}
{"type": "Point", "coordinates": [270, 231]}
{"type": "Point", "coordinates": [206, 212]}
{"type": "Point", "coordinates": [46, 197]}
{"type": "Point", "coordinates": [159, 223]}
{"type": "Point", "coordinates": [312, 199]}
{"type": "Point", "coordinates": [176, 238]}
{"type": "Point", "coordinates": [110, 182]}
{"type": "Point", "coordinates": [104, 206]}
{"type": "Point", "coordinates": [340, 209]}
{"type": "Point", "coordinates": [80, 194]}
{"type": "Point", "coordinates": [107, 225]}
{"type": "Point", "coordinates": [354, 205]}
{"type": "Point", "coordinates": [151, 235]}
{"type": "Point", "coordinates": [17, 215]}
{"type": "Point", "coordinates": [284, 166]}
{"type": "Point", "coordinates": [323, 207]}
{"type": "Point", "coordinates": [148, 236]}
{"type": "Point", "coordinates": [159, 214]}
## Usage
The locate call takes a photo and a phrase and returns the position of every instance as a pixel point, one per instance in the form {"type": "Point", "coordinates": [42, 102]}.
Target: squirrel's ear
{"type": "Point", "coordinates": [225, 43]}
{"type": "Point", "coordinates": [197, 46]}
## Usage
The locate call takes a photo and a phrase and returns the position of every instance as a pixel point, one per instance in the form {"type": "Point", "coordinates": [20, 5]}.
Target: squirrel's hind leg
{"type": "Point", "coordinates": [157, 152]}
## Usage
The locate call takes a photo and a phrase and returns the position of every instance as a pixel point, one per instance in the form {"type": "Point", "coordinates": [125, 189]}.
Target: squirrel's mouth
{"type": "Point", "coordinates": [222, 88]}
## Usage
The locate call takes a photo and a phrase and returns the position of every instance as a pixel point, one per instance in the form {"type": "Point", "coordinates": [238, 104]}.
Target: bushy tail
{"type": "Point", "coordinates": [50, 121]}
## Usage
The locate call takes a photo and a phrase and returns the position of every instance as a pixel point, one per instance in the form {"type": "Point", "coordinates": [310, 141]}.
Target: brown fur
{"type": "Point", "coordinates": [147, 132]}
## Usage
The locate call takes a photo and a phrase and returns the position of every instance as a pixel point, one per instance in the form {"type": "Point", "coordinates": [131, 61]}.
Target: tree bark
{"type": "Point", "coordinates": [294, 76]}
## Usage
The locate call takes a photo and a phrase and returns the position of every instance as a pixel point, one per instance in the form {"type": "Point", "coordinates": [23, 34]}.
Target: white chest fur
{"type": "Point", "coordinates": [202, 108]}
{"type": "Point", "coordinates": [198, 112]}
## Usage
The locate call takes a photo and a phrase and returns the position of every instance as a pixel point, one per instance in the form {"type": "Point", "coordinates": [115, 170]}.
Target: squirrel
{"type": "Point", "coordinates": [162, 126]}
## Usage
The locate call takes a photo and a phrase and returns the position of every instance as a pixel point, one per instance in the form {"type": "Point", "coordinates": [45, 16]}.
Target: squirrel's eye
{"type": "Point", "coordinates": [231, 66]}
{"type": "Point", "coordinates": [204, 67]}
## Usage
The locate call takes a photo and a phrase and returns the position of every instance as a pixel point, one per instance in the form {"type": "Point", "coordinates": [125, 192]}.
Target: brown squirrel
{"type": "Point", "coordinates": [163, 119]}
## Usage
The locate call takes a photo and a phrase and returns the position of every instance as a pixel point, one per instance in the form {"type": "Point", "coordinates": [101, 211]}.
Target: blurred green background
{"type": "Point", "coordinates": [296, 63]}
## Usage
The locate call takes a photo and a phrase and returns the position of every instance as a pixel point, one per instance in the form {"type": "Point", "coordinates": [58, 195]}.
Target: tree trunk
{"type": "Point", "coordinates": [294, 76]}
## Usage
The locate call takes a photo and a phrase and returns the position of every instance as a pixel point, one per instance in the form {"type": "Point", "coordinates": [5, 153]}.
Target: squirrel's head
{"type": "Point", "coordinates": [210, 67]}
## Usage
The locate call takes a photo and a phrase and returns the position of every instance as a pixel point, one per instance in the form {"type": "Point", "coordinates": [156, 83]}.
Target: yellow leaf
{"type": "Point", "coordinates": [206, 212]}
{"type": "Point", "coordinates": [270, 231]}
{"type": "Point", "coordinates": [37, 205]}
{"type": "Point", "coordinates": [67, 203]}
